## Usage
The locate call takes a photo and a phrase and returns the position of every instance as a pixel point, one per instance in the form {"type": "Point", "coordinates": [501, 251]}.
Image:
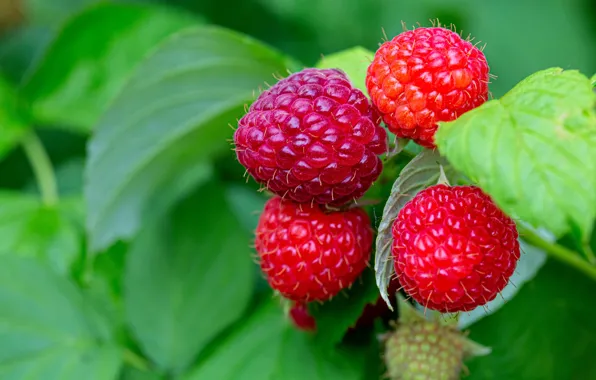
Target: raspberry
{"type": "Point", "coordinates": [312, 137]}
{"type": "Point", "coordinates": [453, 248]}
{"type": "Point", "coordinates": [301, 318]}
{"type": "Point", "coordinates": [422, 349]}
{"type": "Point", "coordinates": [308, 254]}
{"type": "Point", "coordinates": [424, 76]}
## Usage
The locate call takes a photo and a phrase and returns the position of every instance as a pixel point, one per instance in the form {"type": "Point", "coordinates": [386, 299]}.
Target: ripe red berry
{"type": "Point", "coordinates": [453, 248]}
{"type": "Point", "coordinates": [424, 76]}
{"type": "Point", "coordinates": [312, 137]}
{"type": "Point", "coordinates": [308, 254]}
{"type": "Point", "coordinates": [301, 318]}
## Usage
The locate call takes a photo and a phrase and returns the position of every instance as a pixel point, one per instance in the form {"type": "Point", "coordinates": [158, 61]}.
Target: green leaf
{"type": "Point", "coordinates": [28, 228]}
{"type": "Point", "coordinates": [267, 347]}
{"type": "Point", "coordinates": [48, 329]}
{"type": "Point", "coordinates": [69, 178]}
{"type": "Point", "coordinates": [546, 332]}
{"type": "Point", "coordinates": [92, 57]}
{"type": "Point", "coordinates": [533, 150]}
{"type": "Point", "coordinates": [530, 262]}
{"type": "Point", "coordinates": [420, 173]}
{"type": "Point", "coordinates": [188, 277]}
{"type": "Point", "coordinates": [354, 62]}
{"type": "Point", "coordinates": [593, 80]}
{"type": "Point", "coordinates": [13, 122]}
{"type": "Point", "coordinates": [52, 13]}
{"type": "Point", "coordinates": [180, 101]}
{"type": "Point", "coordinates": [130, 373]}
{"type": "Point", "coordinates": [20, 48]}
{"type": "Point", "coordinates": [335, 317]}
{"type": "Point", "coordinates": [247, 205]}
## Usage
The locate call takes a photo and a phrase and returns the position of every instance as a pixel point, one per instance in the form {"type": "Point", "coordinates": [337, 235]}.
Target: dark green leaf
{"type": "Point", "coordinates": [89, 61]}
{"type": "Point", "coordinates": [48, 330]}
{"type": "Point", "coordinates": [28, 228]}
{"type": "Point", "coordinates": [533, 150]}
{"type": "Point", "coordinates": [180, 101]}
{"type": "Point", "coordinates": [13, 122]}
{"type": "Point", "coordinates": [20, 48]}
{"type": "Point", "coordinates": [335, 317]}
{"type": "Point", "coordinates": [130, 373]}
{"type": "Point", "coordinates": [188, 277]}
{"type": "Point", "coordinates": [267, 347]}
{"type": "Point", "coordinates": [546, 332]}
{"type": "Point", "coordinates": [354, 62]}
{"type": "Point", "coordinates": [421, 172]}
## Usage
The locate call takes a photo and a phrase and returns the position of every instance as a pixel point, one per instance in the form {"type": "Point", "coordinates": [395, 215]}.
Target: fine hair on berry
{"type": "Point", "coordinates": [312, 137]}
{"type": "Point", "coordinates": [453, 248]}
{"type": "Point", "coordinates": [308, 254]}
{"type": "Point", "coordinates": [425, 76]}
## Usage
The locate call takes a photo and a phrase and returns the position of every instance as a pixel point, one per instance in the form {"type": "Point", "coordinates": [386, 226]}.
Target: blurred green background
{"type": "Point", "coordinates": [522, 36]}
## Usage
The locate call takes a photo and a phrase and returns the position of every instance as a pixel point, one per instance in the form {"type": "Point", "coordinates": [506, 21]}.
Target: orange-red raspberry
{"type": "Point", "coordinates": [308, 254]}
{"type": "Point", "coordinates": [453, 248]}
{"type": "Point", "coordinates": [312, 137]}
{"type": "Point", "coordinates": [424, 76]}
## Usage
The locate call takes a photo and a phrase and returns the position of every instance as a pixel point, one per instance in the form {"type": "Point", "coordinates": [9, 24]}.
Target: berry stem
{"type": "Point", "coordinates": [134, 360]}
{"type": "Point", "coordinates": [589, 253]}
{"type": "Point", "coordinates": [42, 169]}
{"type": "Point", "coordinates": [558, 252]}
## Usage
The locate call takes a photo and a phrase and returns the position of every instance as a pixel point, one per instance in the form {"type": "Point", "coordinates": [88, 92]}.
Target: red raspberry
{"type": "Point", "coordinates": [424, 76]}
{"type": "Point", "coordinates": [311, 255]}
{"type": "Point", "coordinates": [312, 137]}
{"type": "Point", "coordinates": [453, 248]}
{"type": "Point", "coordinates": [301, 318]}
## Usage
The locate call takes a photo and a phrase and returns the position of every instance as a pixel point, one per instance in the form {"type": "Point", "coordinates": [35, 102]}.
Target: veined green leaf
{"type": "Point", "coordinates": [171, 119]}
{"type": "Point", "coordinates": [533, 151]}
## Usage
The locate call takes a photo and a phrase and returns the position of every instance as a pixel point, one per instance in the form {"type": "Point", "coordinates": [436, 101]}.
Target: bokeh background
{"type": "Point", "coordinates": [521, 36]}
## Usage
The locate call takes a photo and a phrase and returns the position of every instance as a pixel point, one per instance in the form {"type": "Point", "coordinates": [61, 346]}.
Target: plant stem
{"type": "Point", "coordinates": [589, 253]}
{"type": "Point", "coordinates": [134, 360]}
{"type": "Point", "coordinates": [559, 252]}
{"type": "Point", "coordinates": [42, 168]}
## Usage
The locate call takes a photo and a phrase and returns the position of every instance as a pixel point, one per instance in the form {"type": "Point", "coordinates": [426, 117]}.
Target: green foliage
{"type": "Point", "coordinates": [546, 332]}
{"type": "Point", "coordinates": [336, 316]}
{"type": "Point", "coordinates": [354, 62]}
{"type": "Point", "coordinates": [28, 228]}
{"type": "Point", "coordinates": [49, 329]}
{"type": "Point", "coordinates": [172, 269]}
{"type": "Point", "coordinates": [267, 347]}
{"type": "Point", "coordinates": [209, 74]}
{"type": "Point", "coordinates": [531, 149]}
{"type": "Point", "coordinates": [95, 53]}
{"type": "Point", "coordinates": [13, 120]}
